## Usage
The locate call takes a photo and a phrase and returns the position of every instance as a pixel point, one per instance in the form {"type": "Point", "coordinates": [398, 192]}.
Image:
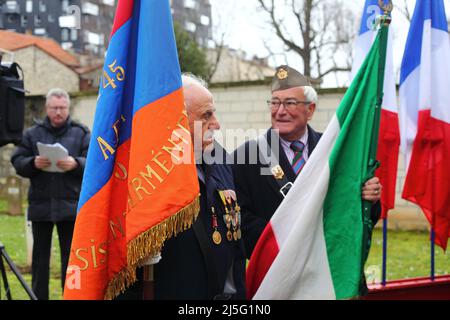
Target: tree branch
{"type": "Point", "coordinates": [334, 69]}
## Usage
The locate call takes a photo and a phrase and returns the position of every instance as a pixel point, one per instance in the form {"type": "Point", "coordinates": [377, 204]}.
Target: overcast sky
{"type": "Point", "coordinates": [246, 28]}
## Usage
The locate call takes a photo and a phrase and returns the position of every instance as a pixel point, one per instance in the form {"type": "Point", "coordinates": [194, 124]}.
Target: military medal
{"type": "Point", "coordinates": [235, 226]}
{"type": "Point", "coordinates": [233, 219]}
{"type": "Point", "coordinates": [277, 172]}
{"type": "Point", "coordinates": [227, 218]}
{"type": "Point", "coordinates": [238, 213]}
{"type": "Point", "coordinates": [232, 216]}
{"type": "Point", "coordinates": [217, 238]}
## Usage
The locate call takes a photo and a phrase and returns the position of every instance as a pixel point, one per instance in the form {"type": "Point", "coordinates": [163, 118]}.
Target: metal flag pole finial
{"type": "Point", "coordinates": [386, 7]}
{"type": "Point", "coordinates": [385, 18]}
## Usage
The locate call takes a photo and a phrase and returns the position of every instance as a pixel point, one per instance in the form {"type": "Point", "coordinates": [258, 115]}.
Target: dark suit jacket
{"type": "Point", "coordinates": [182, 273]}
{"type": "Point", "coordinates": [259, 195]}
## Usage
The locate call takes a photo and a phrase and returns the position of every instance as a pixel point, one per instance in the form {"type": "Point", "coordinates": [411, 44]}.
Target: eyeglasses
{"type": "Point", "coordinates": [56, 109]}
{"type": "Point", "coordinates": [289, 104]}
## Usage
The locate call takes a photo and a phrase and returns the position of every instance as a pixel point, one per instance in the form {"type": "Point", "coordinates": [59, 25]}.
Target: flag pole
{"type": "Point", "coordinates": [432, 276]}
{"type": "Point", "coordinates": [373, 164]}
{"type": "Point", "coordinates": [383, 279]}
{"type": "Point", "coordinates": [433, 222]}
{"type": "Point", "coordinates": [149, 283]}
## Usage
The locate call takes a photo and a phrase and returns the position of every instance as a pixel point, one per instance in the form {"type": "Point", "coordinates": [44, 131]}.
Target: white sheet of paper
{"type": "Point", "coordinates": [54, 152]}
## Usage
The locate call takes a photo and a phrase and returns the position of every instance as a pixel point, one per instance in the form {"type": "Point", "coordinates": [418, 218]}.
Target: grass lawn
{"type": "Point", "coordinates": [3, 205]}
{"type": "Point", "coordinates": [12, 235]}
{"type": "Point", "coordinates": [408, 256]}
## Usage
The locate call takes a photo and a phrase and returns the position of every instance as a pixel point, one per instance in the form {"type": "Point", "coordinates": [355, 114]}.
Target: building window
{"type": "Point", "coordinates": [12, 6]}
{"type": "Point", "coordinates": [190, 26]}
{"type": "Point", "coordinates": [29, 6]}
{"type": "Point", "coordinates": [40, 31]}
{"type": "Point", "coordinates": [91, 8]}
{"type": "Point", "coordinates": [64, 34]}
{"type": "Point", "coordinates": [37, 20]}
{"type": "Point", "coordinates": [23, 21]}
{"type": "Point", "coordinates": [204, 20]}
{"type": "Point", "coordinates": [190, 4]}
{"type": "Point", "coordinates": [51, 18]}
{"type": "Point", "coordinates": [73, 34]}
{"type": "Point", "coordinates": [64, 5]}
{"type": "Point", "coordinates": [42, 6]}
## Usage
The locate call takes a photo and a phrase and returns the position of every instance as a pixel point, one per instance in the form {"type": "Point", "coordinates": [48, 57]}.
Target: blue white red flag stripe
{"type": "Point", "coordinates": [425, 110]}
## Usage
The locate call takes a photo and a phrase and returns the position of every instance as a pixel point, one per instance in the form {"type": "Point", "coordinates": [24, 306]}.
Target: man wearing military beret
{"type": "Point", "coordinates": [290, 142]}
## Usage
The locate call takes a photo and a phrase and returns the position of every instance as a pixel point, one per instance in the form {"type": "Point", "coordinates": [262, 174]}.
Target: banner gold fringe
{"type": "Point", "coordinates": [149, 244]}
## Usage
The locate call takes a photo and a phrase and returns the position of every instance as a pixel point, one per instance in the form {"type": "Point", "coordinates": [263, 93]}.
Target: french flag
{"type": "Point", "coordinates": [425, 115]}
{"type": "Point", "coordinates": [389, 135]}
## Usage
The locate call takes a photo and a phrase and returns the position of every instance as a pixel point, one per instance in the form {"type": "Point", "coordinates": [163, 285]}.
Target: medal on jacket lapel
{"type": "Point", "coordinates": [234, 219]}
{"type": "Point", "coordinates": [217, 238]}
{"type": "Point", "coordinates": [237, 209]}
{"type": "Point", "coordinates": [227, 218]}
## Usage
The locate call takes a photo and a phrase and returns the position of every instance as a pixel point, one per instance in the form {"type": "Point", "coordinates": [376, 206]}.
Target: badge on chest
{"type": "Point", "coordinates": [231, 218]}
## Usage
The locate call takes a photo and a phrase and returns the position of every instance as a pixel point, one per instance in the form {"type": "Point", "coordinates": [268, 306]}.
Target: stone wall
{"type": "Point", "coordinates": [43, 72]}
{"type": "Point", "coordinates": [242, 109]}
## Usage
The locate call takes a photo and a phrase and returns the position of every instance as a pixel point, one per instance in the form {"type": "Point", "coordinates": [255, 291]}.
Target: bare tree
{"type": "Point", "coordinates": [221, 23]}
{"type": "Point", "coordinates": [404, 10]}
{"type": "Point", "coordinates": [315, 30]}
{"type": "Point", "coordinates": [213, 63]}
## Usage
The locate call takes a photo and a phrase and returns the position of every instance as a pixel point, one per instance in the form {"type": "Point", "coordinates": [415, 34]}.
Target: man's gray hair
{"type": "Point", "coordinates": [191, 79]}
{"type": "Point", "coordinates": [310, 94]}
{"type": "Point", "coordinates": [59, 93]}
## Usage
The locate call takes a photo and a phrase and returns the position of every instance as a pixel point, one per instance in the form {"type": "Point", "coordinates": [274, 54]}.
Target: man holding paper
{"type": "Point", "coordinates": [52, 155]}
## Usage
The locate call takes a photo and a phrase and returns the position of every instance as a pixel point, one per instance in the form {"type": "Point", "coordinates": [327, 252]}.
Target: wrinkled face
{"type": "Point", "coordinates": [57, 111]}
{"type": "Point", "coordinates": [292, 121]}
{"type": "Point", "coordinates": [200, 109]}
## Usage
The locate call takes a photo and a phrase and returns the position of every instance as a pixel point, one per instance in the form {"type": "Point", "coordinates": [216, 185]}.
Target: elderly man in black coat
{"type": "Point", "coordinates": [207, 261]}
{"type": "Point", "coordinates": [53, 196]}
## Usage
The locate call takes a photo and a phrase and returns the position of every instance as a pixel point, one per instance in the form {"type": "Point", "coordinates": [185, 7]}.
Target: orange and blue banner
{"type": "Point", "coordinates": [140, 185]}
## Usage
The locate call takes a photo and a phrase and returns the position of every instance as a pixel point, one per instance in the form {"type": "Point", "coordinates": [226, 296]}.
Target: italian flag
{"type": "Point", "coordinates": [316, 243]}
{"type": "Point", "coordinates": [389, 135]}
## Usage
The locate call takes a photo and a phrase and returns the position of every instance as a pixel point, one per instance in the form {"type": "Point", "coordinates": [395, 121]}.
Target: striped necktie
{"type": "Point", "coordinates": [299, 162]}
